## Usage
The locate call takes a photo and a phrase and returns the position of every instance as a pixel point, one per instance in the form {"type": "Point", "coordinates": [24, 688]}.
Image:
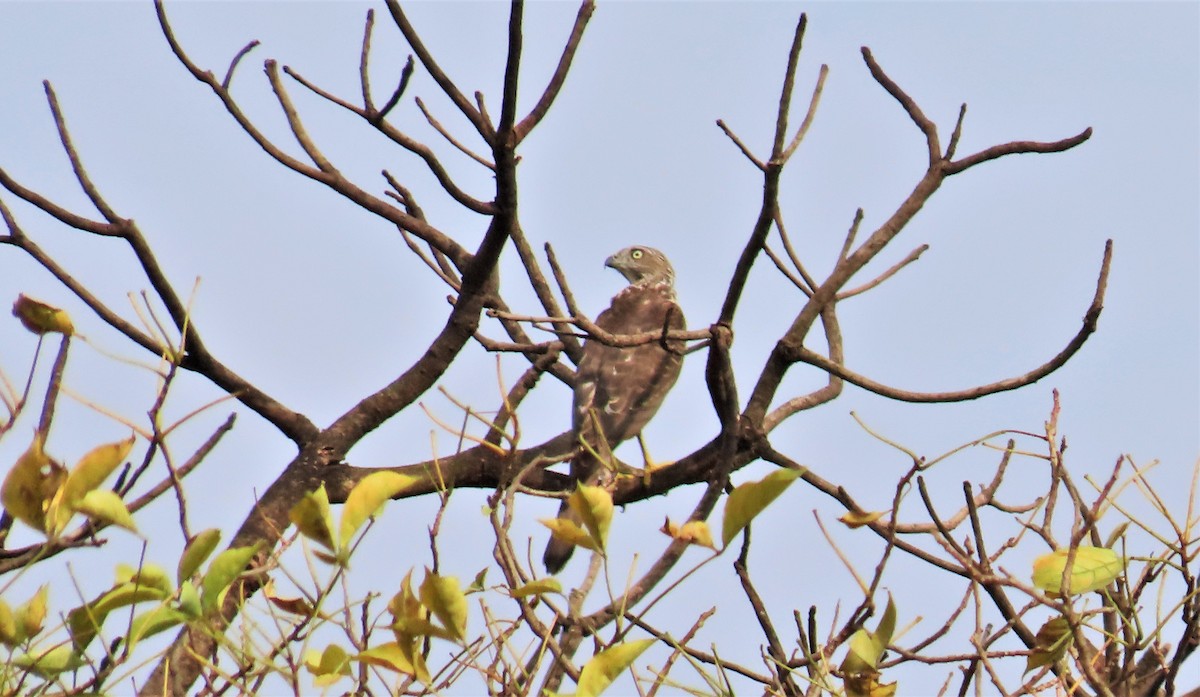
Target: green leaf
{"type": "Point", "coordinates": [445, 599]}
{"type": "Point", "coordinates": [365, 500]}
{"type": "Point", "coordinates": [749, 499]}
{"type": "Point", "coordinates": [477, 584]}
{"type": "Point", "coordinates": [221, 574]}
{"type": "Point", "coordinates": [106, 507]}
{"type": "Point", "coordinates": [86, 620]}
{"type": "Point", "coordinates": [594, 506]}
{"type": "Point", "coordinates": [50, 663]}
{"type": "Point", "coordinates": [150, 575]}
{"type": "Point", "coordinates": [189, 600]}
{"type": "Point", "coordinates": [1050, 644]}
{"type": "Point", "coordinates": [1093, 569]}
{"type": "Point", "coordinates": [605, 666]}
{"type": "Point", "coordinates": [196, 552]}
{"type": "Point", "coordinates": [154, 621]}
{"type": "Point", "coordinates": [40, 318]}
{"type": "Point", "coordinates": [312, 517]}
{"type": "Point", "coordinates": [538, 587]}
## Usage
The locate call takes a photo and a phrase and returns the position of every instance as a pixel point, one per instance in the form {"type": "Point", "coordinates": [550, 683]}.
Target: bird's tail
{"type": "Point", "coordinates": [558, 552]}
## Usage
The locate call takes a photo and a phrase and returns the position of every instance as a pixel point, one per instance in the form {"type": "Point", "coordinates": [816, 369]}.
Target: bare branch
{"type": "Point", "coordinates": [58, 212]}
{"type": "Point", "coordinates": [405, 75]}
{"type": "Point", "coordinates": [535, 116]}
{"type": "Point", "coordinates": [741, 146]}
{"type": "Point", "coordinates": [1017, 147]}
{"type": "Point", "coordinates": [958, 125]}
{"type": "Point", "coordinates": [294, 122]}
{"type": "Point", "coordinates": [512, 71]}
{"type": "Point", "coordinates": [912, 256]}
{"type": "Point", "coordinates": [1090, 320]}
{"type": "Point", "coordinates": [408, 143]}
{"type": "Point", "coordinates": [435, 71]}
{"type": "Point", "coordinates": [364, 58]}
{"type": "Point", "coordinates": [785, 95]}
{"type": "Point", "coordinates": [914, 112]}
{"type": "Point", "coordinates": [809, 283]}
{"type": "Point", "coordinates": [233, 64]}
{"type": "Point", "coordinates": [809, 116]}
{"type": "Point", "coordinates": [451, 139]}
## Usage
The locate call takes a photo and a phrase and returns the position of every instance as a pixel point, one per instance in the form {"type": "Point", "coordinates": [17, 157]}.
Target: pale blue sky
{"type": "Point", "coordinates": [319, 303]}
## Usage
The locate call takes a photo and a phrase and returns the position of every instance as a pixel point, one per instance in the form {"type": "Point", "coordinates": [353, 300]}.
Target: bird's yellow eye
{"type": "Point", "coordinates": [636, 254]}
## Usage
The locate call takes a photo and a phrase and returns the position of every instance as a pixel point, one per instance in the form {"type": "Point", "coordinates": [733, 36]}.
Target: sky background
{"type": "Point", "coordinates": [319, 303]}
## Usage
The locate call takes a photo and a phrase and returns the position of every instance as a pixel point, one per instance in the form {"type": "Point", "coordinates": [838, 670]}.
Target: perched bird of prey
{"type": "Point", "coordinates": [620, 389]}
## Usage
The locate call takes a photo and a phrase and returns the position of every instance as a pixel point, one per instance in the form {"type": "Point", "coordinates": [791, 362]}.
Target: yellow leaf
{"type": "Point", "coordinates": [445, 599]}
{"type": "Point", "coordinates": [405, 605]}
{"type": "Point", "coordinates": [365, 500]}
{"type": "Point", "coordinates": [538, 587]}
{"type": "Point", "coordinates": [312, 517]}
{"type": "Point", "coordinates": [329, 666]}
{"type": "Point", "coordinates": [10, 631]}
{"type": "Point", "coordinates": [106, 506]}
{"type": "Point", "coordinates": [1050, 644]}
{"type": "Point", "coordinates": [862, 653]}
{"type": "Point", "coordinates": [1093, 569]}
{"type": "Point", "coordinates": [568, 531]}
{"type": "Point", "coordinates": [31, 484]}
{"type": "Point", "coordinates": [866, 648]}
{"type": "Point", "coordinates": [92, 469]}
{"type": "Point", "coordinates": [86, 476]}
{"type": "Point", "coordinates": [594, 507]}
{"type": "Point", "coordinates": [40, 318]}
{"type": "Point", "coordinates": [694, 532]}
{"type": "Point", "coordinates": [857, 519]}
{"type": "Point", "coordinates": [390, 656]}
{"type": "Point", "coordinates": [867, 685]}
{"type": "Point", "coordinates": [749, 499]}
{"type": "Point", "coordinates": [605, 666]}
{"type": "Point", "coordinates": [32, 615]}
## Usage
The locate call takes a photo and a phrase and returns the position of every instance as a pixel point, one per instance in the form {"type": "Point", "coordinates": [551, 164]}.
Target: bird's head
{"type": "Point", "coordinates": [642, 266]}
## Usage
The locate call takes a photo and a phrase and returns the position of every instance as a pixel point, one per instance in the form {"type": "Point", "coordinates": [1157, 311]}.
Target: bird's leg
{"type": "Point", "coordinates": [648, 463]}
